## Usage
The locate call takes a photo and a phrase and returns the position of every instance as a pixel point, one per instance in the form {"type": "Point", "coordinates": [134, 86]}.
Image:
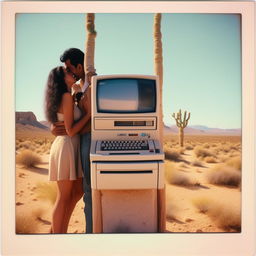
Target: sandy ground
{"type": "Point", "coordinates": [184, 218]}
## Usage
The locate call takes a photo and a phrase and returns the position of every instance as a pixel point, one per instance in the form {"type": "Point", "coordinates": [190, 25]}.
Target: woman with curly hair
{"type": "Point", "coordinates": [64, 163]}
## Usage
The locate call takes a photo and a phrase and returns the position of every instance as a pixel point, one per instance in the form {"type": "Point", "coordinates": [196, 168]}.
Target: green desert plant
{"type": "Point", "coordinates": [27, 158]}
{"type": "Point", "coordinates": [46, 191]}
{"type": "Point", "coordinates": [181, 123]}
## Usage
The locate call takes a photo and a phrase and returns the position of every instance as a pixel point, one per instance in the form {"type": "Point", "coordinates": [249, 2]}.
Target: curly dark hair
{"type": "Point", "coordinates": [75, 55]}
{"type": "Point", "coordinates": [55, 88]}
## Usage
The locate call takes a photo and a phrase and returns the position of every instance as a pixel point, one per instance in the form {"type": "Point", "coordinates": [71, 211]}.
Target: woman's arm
{"type": "Point", "coordinates": [68, 111]}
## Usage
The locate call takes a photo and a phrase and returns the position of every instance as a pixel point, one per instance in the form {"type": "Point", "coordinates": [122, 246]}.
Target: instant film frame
{"type": "Point", "coordinates": [128, 244]}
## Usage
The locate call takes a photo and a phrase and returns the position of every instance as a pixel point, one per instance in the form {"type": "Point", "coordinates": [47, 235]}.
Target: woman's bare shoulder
{"type": "Point", "coordinates": [66, 96]}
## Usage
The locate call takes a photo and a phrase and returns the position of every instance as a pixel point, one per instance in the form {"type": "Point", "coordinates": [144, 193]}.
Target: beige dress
{"type": "Point", "coordinates": [65, 161]}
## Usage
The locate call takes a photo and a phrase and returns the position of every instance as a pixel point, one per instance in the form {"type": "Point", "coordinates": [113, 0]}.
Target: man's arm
{"type": "Point", "coordinates": [58, 129]}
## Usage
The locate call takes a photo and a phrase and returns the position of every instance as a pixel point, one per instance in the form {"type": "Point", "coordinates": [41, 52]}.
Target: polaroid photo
{"type": "Point", "coordinates": [128, 128]}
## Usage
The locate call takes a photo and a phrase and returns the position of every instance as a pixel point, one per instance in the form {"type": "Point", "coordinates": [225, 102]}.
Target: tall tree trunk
{"type": "Point", "coordinates": [158, 61]}
{"type": "Point", "coordinates": [90, 43]}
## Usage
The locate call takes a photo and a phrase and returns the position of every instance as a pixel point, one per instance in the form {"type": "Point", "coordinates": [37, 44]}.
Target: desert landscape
{"type": "Point", "coordinates": [203, 182]}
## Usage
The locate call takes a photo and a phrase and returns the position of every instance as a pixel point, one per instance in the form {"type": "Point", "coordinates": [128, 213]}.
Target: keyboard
{"type": "Point", "coordinates": [123, 145]}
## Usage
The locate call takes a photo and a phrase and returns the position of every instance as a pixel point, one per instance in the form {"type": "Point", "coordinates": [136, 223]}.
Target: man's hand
{"type": "Point", "coordinates": [58, 129]}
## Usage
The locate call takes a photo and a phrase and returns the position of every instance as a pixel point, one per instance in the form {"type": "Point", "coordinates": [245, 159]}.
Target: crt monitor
{"type": "Point", "coordinates": [126, 95]}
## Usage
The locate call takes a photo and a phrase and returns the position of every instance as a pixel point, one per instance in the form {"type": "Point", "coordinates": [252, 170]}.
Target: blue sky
{"type": "Point", "coordinates": [201, 53]}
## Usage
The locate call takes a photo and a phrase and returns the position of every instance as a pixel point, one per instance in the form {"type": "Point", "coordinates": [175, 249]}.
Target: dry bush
{"type": "Point", "coordinates": [172, 209]}
{"type": "Point", "coordinates": [25, 224]}
{"type": "Point", "coordinates": [173, 155]}
{"type": "Point", "coordinates": [175, 177]}
{"type": "Point", "coordinates": [24, 144]}
{"type": "Point", "coordinates": [226, 216]}
{"type": "Point", "coordinates": [27, 158]}
{"type": "Point", "coordinates": [189, 147]}
{"type": "Point", "coordinates": [223, 158]}
{"type": "Point", "coordinates": [197, 163]}
{"type": "Point", "coordinates": [38, 150]}
{"type": "Point", "coordinates": [224, 175]}
{"type": "Point", "coordinates": [203, 204]}
{"type": "Point", "coordinates": [46, 191]}
{"type": "Point", "coordinates": [202, 152]}
{"type": "Point", "coordinates": [210, 159]}
{"type": "Point", "coordinates": [182, 165]}
{"type": "Point", "coordinates": [235, 162]}
{"type": "Point", "coordinates": [226, 148]}
{"type": "Point", "coordinates": [206, 145]}
{"type": "Point", "coordinates": [181, 150]}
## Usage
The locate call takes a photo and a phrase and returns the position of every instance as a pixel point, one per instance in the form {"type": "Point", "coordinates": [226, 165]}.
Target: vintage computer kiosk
{"type": "Point", "coordinates": [127, 168]}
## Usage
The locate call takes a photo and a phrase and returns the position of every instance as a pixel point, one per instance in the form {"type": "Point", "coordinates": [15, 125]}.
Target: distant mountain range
{"type": "Point", "coordinates": [202, 130]}
{"type": "Point", "coordinates": [28, 121]}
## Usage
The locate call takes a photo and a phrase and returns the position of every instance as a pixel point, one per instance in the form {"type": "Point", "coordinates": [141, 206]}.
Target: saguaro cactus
{"type": "Point", "coordinates": [90, 43]}
{"type": "Point", "coordinates": [181, 123]}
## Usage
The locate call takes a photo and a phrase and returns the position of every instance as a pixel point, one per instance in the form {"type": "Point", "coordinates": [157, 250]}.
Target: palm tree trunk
{"type": "Point", "coordinates": [90, 43]}
{"type": "Point", "coordinates": [158, 61]}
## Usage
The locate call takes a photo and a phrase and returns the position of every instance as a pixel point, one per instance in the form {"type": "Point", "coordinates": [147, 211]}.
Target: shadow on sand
{"type": "Point", "coordinates": [39, 170]}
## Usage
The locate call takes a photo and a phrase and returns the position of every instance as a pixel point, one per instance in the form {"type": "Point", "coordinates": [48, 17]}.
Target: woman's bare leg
{"type": "Point", "coordinates": [64, 190]}
{"type": "Point", "coordinates": [76, 195]}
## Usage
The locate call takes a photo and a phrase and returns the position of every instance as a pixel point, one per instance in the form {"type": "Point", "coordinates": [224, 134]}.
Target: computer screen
{"type": "Point", "coordinates": [126, 95]}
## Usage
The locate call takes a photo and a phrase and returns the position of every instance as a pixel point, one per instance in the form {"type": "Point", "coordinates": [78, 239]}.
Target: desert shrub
{"type": "Point", "coordinates": [235, 162]}
{"type": "Point", "coordinates": [223, 158]}
{"type": "Point", "coordinates": [175, 177]}
{"type": "Point", "coordinates": [202, 204]}
{"type": "Point", "coordinates": [226, 216]}
{"type": "Point", "coordinates": [226, 148]}
{"type": "Point", "coordinates": [24, 145]}
{"type": "Point", "coordinates": [224, 175]}
{"type": "Point", "coordinates": [25, 224]}
{"type": "Point", "coordinates": [206, 145]}
{"type": "Point", "coordinates": [210, 159]}
{"type": "Point", "coordinates": [27, 158]}
{"type": "Point", "coordinates": [189, 147]}
{"type": "Point", "coordinates": [202, 152]}
{"type": "Point", "coordinates": [46, 191]}
{"type": "Point", "coordinates": [182, 165]}
{"type": "Point", "coordinates": [181, 150]}
{"type": "Point", "coordinates": [197, 163]}
{"type": "Point", "coordinates": [172, 209]}
{"type": "Point", "coordinates": [173, 155]}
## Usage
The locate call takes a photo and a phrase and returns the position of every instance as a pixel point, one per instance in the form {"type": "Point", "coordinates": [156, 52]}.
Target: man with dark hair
{"type": "Point", "coordinates": [73, 59]}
